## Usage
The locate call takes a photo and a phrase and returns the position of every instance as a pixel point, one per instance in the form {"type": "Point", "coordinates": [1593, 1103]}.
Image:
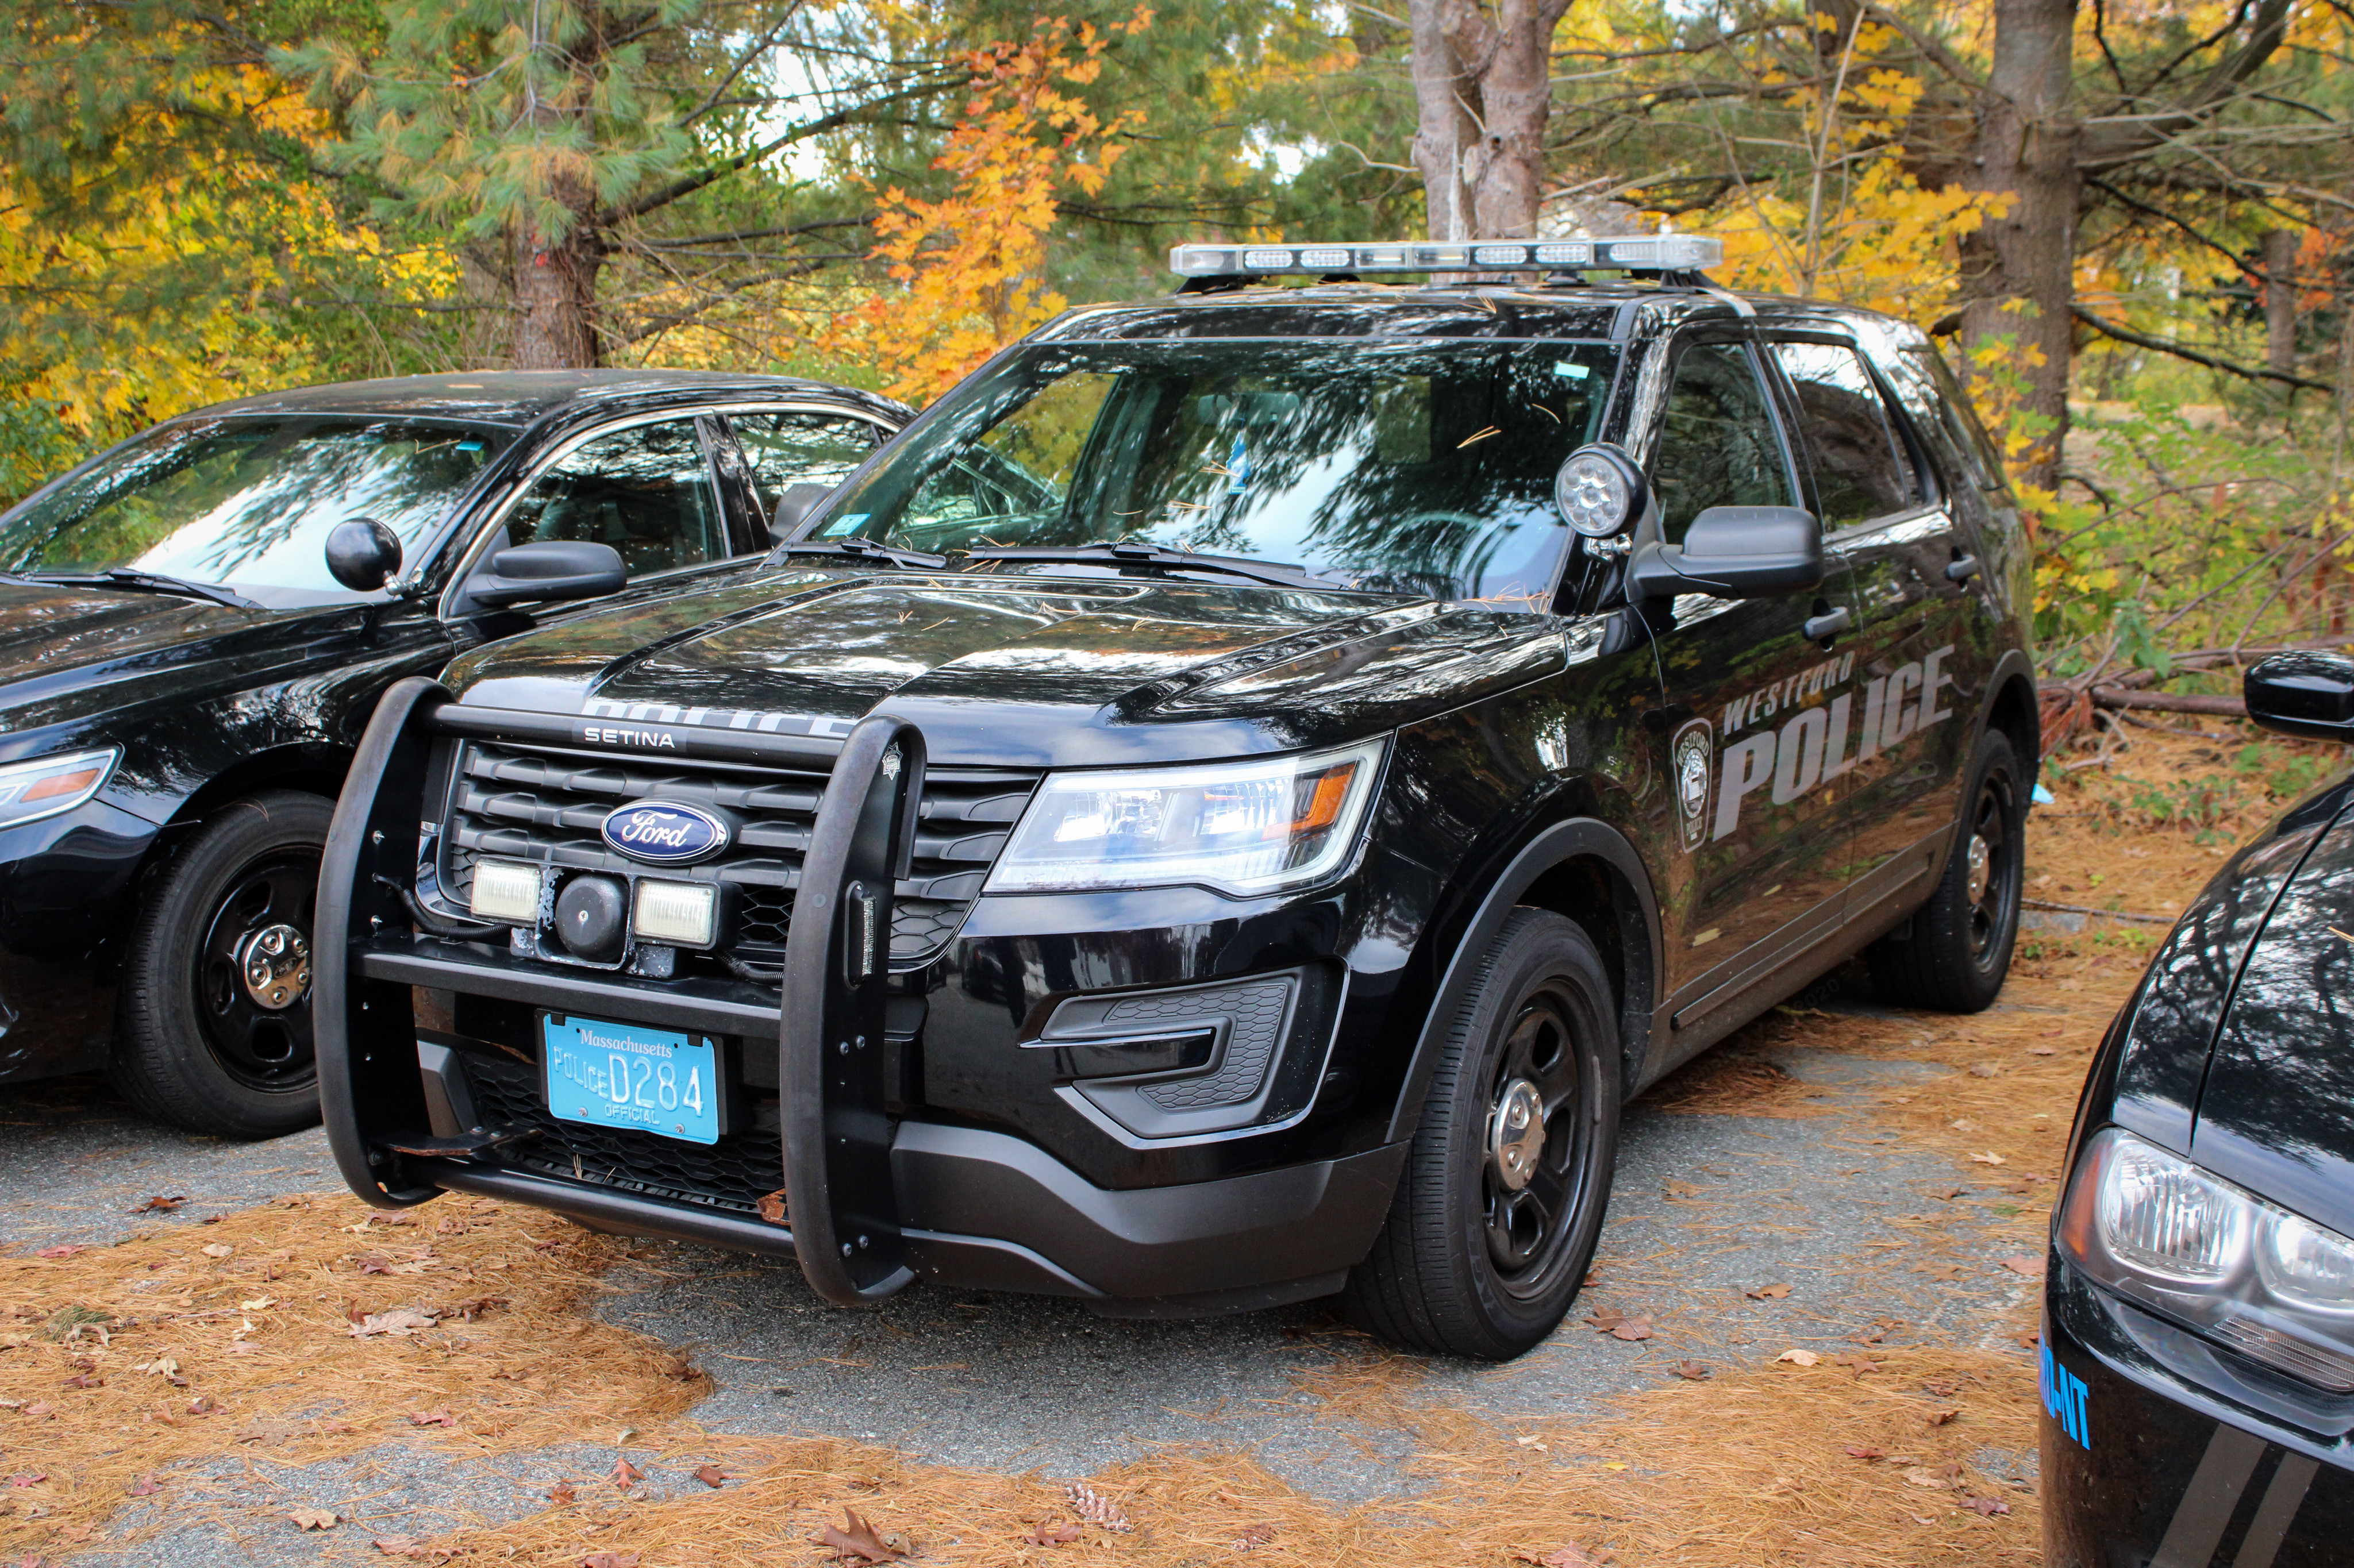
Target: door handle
{"type": "Point", "coordinates": [1962, 568]}
{"type": "Point", "coordinates": [1820, 628]}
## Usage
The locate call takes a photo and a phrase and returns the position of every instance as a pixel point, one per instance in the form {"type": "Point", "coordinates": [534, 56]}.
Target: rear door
{"type": "Point", "coordinates": [1920, 671]}
{"type": "Point", "coordinates": [1756, 738]}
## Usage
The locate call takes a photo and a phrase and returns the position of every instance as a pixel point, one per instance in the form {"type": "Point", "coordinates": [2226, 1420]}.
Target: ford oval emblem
{"type": "Point", "coordinates": [664, 833]}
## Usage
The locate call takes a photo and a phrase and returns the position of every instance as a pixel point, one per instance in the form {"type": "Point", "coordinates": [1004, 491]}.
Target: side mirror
{"type": "Point", "coordinates": [794, 502]}
{"type": "Point", "coordinates": [2310, 695]}
{"type": "Point", "coordinates": [546, 570]}
{"type": "Point", "coordinates": [363, 554]}
{"type": "Point", "coordinates": [1735, 552]}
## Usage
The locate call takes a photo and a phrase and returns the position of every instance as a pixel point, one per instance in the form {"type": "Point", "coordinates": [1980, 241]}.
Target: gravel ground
{"type": "Point", "coordinates": [1706, 1207]}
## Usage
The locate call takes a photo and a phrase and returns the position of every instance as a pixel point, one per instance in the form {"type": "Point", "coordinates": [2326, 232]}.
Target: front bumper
{"type": "Point", "coordinates": [2161, 1450]}
{"type": "Point", "coordinates": [64, 883]}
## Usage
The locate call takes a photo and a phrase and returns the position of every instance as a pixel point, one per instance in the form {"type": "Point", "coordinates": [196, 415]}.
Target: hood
{"type": "Point", "coordinates": [64, 653]}
{"type": "Point", "coordinates": [2277, 1110]}
{"type": "Point", "coordinates": [1022, 670]}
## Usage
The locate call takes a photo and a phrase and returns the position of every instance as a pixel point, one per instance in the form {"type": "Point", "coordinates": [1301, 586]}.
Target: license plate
{"type": "Point", "coordinates": [626, 1074]}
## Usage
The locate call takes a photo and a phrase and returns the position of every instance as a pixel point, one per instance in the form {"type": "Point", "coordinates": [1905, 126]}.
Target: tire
{"type": "Point", "coordinates": [1958, 949]}
{"type": "Point", "coordinates": [195, 1044]}
{"type": "Point", "coordinates": [1444, 1276]}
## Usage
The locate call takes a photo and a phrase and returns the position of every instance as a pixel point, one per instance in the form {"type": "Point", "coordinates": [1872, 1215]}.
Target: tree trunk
{"type": "Point", "coordinates": [2017, 269]}
{"type": "Point", "coordinates": [555, 301]}
{"type": "Point", "coordinates": [2280, 300]}
{"type": "Point", "coordinates": [1483, 96]}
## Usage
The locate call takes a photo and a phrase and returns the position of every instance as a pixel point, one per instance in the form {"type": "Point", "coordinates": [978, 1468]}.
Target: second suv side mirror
{"type": "Point", "coordinates": [2310, 695]}
{"type": "Point", "coordinates": [1735, 552]}
{"type": "Point", "coordinates": [794, 502]}
{"type": "Point", "coordinates": [549, 569]}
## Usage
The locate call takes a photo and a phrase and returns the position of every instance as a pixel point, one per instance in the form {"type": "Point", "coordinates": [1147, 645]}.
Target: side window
{"type": "Point", "coordinates": [1862, 469]}
{"type": "Point", "coordinates": [1976, 448]}
{"type": "Point", "coordinates": [646, 491]}
{"type": "Point", "coordinates": [1717, 446]}
{"type": "Point", "coordinates": [786, 450]}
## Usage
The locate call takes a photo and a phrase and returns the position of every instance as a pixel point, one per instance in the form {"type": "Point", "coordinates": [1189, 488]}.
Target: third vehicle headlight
{"type": "Point", "coordinates": [1243, 827]}
{"type": "Point", "coordinates": [31, 790]}
{"type": "Point", "coordinates": [2172, 1236]}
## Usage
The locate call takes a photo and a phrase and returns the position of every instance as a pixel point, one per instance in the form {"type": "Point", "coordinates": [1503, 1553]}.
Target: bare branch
{"type": "Point", "coordinates": [2159, 345]}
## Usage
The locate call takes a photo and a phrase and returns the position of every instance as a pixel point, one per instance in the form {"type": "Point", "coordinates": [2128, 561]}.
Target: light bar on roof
{"type": "Point", "coordinates": [1624, 253]}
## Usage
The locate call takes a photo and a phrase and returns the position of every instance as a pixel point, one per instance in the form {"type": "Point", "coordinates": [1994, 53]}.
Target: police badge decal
{"type": "Point", "coordinates": [1690, 758]}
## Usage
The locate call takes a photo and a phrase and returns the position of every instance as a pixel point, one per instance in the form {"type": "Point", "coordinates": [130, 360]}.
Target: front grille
{"type": "Point", "coordinates": [547, 804]}
{"type": "Point", "coordinates": [734, 1173]}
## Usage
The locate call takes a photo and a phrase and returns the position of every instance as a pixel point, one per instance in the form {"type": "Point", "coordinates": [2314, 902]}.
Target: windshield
{"type": "Point", "coordinates": [1415, 468]}
{"type": "Point", "coordinates": [246, 502]}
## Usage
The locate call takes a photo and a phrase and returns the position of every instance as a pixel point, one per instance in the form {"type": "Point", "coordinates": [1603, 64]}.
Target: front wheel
{"type": "Point", "coordinates": [1497, 1213]}
{"type": "Point", "coordinates": [213, 1025]}
{"type": "Point", "coordinates": [1958, 951]}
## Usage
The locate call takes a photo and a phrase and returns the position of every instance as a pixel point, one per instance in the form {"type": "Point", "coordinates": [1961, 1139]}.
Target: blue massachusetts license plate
{"type": "Point", "coordinates": [626, 1074]}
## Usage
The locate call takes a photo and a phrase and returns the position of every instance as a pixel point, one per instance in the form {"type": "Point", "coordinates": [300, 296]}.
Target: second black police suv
{"type": "Point", "coordinates": [2198, 1361]}
{"type": "Point", "coordinates": [194, 627]}
{"type": "Point", "coordinates": [1223, 808]}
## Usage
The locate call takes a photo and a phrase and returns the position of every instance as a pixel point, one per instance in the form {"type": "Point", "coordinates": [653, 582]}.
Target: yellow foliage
{"type": "Point", "coordinates": [966, 270]}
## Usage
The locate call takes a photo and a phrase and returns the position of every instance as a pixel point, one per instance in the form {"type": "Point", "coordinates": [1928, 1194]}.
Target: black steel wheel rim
{"type": "Point", "coordinates": [258, 1046]}
{"type": "Point", "coordinates": [1993, 910]}
{"type": "Point", "coordinates": [1528, 1230]}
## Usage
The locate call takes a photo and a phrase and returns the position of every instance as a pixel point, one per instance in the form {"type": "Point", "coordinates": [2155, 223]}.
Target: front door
{"type": "Point", "coordinates": [1921, 671]}
{"type": "Point", "coordinates": [1759, 711]}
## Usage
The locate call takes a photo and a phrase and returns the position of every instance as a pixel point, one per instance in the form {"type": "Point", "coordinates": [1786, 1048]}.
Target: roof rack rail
{"type": "Point", "coordinates": [1674, 257]}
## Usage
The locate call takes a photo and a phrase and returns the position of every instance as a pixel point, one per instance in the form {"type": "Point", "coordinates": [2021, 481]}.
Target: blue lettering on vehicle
{"type": "Point", "coordinates": [2064, 1394]}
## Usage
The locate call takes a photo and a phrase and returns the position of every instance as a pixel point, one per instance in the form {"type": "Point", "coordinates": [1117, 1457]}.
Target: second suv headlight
{"type": "Point", "coordinates": [2175, 1237]}
{"type": "Point", "coordinates": [31, 790]}
{"type": "Point", "coordinates": [1243, 826]}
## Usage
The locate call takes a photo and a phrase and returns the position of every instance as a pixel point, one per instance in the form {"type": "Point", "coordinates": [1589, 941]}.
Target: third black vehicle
{"type": "Point", "coordinates": [1224, 807]}
{"type": "Point", "coordinates": [196, 626]}
{"type": "Point", "coordinates": [2198, 1363]}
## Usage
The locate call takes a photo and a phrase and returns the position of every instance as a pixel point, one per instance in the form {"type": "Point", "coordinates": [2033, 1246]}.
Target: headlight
{"type": "Point", "coordinates": [31, 790]}
{"type": "Point", "coordinates": [2175, 1238]}
{"type": "Point", "coordinates": [1243, 826]}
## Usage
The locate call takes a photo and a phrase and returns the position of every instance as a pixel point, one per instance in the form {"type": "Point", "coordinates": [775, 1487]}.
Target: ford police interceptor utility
{"type": "Point", "coordinates": [1223, 809]}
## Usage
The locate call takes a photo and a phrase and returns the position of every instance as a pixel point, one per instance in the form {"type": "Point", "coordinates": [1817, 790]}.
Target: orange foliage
{"type": "Point", "coordinates": [966, 269]}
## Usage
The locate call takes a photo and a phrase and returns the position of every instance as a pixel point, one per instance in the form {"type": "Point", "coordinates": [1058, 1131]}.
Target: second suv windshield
{"type": "Point", "coordinates": [247, 502]}
{"type": "Point", "coordinates": [1416, 468]}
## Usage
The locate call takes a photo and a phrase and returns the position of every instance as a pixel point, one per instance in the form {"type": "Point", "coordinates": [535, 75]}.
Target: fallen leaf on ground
{"type": "Point", "coordinates": [1948, 1194]}
{"type": "Point", "coordinates": [33, 1480]}
{"type": "Point", "coordinates": [626, 1475]}
{"type": "Point", "coordinates": [1983, 1069]}
{"type": "Point", "coordinates": [430, 1418]}
{"type": "Point", "coordinates": [1989, 1507]}
{"type": "Point", "coordinates": [1570, 1556]}
{"type": "Point", "coordinates": [1854, 1452]}
{"type": "Point", "coordinates": [313, 1518]}
{"type": "Point", "coordinates": [1941, 1270]}
{"type": "Point", "coordinates": [215, 1249]}
{"type": "Point", "coordinates": [1606, 1319]}
{"type": "Point", "coordinates": [560, 1494]}
{"type": "Point", "coordinates": [711, 1475]}
{"type": "Point", "coordinates": [66, 1250]}
{"type": "Point", "coordinates": [1695, 1371]}
{"type": "Point", "coordinates": [1054, 1535]}
{"type": "Point", "coordinates": [408, 1546]}
{"type": "Point", "coordinates": [609, 1560]}
{"type": "Point", "coordinates": [1096, 1508]}
{"type": "Point", "coordinates": [2030, 1267]}
{"type": "Point", "coordinates": [145, 1487]}
{"type": "Point", "coordinates": [161, 1205]}
{"type": "Point", "coordinates": [2041, 1050]}
{"type": "Point", "coordinates": [259, 1304]}
{"type": "Point", "coordinates": [1251, 1540]}
{"type": "Point", "coordinates": [1798, 1358]}
{"type": "Point", "coordinates": [857, 1539]}
{"type": "Point", "coordinates": [1767, 1293]}
{"type": "Point", "coordinates": [1988, 1158]}
{"type": "Point", "coordinates": [1632, 1329]}
{"type": "Point", "coordinates": [1938, 1417]}
{"type": "Point", "coordinates": [399, 1320]}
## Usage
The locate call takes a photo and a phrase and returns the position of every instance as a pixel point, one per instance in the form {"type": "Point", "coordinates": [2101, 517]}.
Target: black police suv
{"type": "Point", "coordinates": [196, 626]}
{"type": "Point", "coordinates": [1224, 808]}
{"type": "Point", "coordinates": [2198, 1360]}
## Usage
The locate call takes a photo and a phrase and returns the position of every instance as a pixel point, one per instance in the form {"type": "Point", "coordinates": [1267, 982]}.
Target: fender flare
{"type": "Point", "coordinates": [1581, 837]}
{"type": "Point", "coordinates": [2014, 663]}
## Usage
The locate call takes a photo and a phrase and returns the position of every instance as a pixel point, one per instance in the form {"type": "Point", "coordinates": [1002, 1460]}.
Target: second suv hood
{"type": "Point", "coordinates": [1023, 670]}
{"type": "Point", "coordinates": [2277, 1110]}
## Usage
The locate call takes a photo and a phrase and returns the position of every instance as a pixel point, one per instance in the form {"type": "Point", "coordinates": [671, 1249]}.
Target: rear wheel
{"type": "Point", "coordinates": [213, 1027]}
{"type": "Point", "coordinates": [1496, 1216]}
{"type": "Point", "coordinates": [1958, 951]}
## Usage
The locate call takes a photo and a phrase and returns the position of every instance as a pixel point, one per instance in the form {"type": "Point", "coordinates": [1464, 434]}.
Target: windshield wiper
{"type": "Point", "coordinates": [862, 549]}
{"type": "Point", "coordinates": [1137, 554]}
{"type": "Point", "coordinates": [132, 580]}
